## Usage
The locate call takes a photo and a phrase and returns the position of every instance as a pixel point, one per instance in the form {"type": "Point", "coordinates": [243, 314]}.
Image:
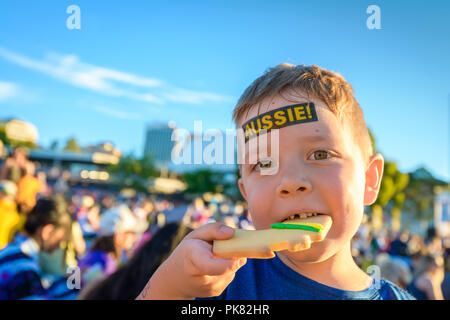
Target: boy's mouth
{"type": "Point", "coordinates": [299, 216]}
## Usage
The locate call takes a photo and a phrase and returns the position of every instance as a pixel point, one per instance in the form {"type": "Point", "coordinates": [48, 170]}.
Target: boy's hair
{"type": "Point", "coordinates": [315, 82]}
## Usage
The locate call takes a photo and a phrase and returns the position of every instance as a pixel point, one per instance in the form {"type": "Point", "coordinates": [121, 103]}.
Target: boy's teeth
{"type": "Point", "coordinates": [302, 215]}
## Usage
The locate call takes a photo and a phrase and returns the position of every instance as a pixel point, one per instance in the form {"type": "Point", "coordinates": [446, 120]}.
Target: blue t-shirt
{"type": "Point", "coordinates": [271, 279]}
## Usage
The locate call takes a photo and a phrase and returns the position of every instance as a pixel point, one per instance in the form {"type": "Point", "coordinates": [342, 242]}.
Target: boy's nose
{"type": "Point", "coordinates": [292, 186]}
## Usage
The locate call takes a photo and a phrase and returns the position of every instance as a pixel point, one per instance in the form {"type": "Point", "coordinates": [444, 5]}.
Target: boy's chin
{"type": "Point", "coordinates": [317, 253]}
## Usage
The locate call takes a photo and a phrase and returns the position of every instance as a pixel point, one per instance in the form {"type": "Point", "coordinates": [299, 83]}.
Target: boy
{"type": "Point", "coordinates": [324, 164]}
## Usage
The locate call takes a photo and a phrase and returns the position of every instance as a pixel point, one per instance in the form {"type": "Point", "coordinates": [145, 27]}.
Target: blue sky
{"type": "Point", "coordinates": [134, 62]}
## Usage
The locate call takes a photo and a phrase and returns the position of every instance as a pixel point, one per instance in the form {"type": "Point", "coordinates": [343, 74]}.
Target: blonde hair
{"type": "Point", "coordinates": [315, 82]}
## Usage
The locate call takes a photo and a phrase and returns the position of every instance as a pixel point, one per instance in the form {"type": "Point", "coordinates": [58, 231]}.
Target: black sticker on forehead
{"type": "Point", "coordinates": [280, 118]}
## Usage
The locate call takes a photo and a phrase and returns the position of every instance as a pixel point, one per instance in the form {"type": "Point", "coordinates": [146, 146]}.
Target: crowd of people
{"type": "Point", "coordinates": [63, 241]}
{"type": "Point", "coordinates": [51, 233]}
{"type": "Point", "coordinates": [418, 264]}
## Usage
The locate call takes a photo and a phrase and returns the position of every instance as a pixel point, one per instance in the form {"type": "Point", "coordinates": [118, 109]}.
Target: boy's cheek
{"type": "Point", "coordinates": [260, 201]}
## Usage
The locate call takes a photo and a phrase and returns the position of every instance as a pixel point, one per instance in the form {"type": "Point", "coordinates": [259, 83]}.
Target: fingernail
{"type": "Point", "coordinates": [225, 229]}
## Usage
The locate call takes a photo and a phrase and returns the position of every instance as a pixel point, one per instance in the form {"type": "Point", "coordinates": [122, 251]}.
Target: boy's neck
{"type": "Point", "coordinates": [339, 271]}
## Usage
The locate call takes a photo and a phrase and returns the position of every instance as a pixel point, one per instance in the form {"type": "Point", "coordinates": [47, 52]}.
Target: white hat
{"type": "Point", "coordinates": [120, 219]}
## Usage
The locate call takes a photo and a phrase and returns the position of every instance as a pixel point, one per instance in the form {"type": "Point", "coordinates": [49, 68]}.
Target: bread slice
{"type": "Point", "coordinates": [261, 244]}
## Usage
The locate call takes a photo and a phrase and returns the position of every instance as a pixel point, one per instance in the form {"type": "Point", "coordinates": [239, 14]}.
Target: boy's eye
{"type": "Point", "coordinates": [264, 164]}
{"type": "Point", "coordinates": [321, 155]}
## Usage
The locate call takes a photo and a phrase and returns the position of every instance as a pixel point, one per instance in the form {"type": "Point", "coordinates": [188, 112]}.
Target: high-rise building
{"type": "Point", "coordinates": [159, 144]}
{"type": "Point", "coordinates": [190, 151]}
{"type": "Point", "coordinates": [197, 151]}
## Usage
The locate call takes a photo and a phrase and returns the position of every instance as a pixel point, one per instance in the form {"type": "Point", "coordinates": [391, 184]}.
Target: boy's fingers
{"type": "Point", "coordinates": [212, 231]}
{"type": "Point", "coordinates": [218, 266]}
{"type": "Point", "coordinates": [205, 264]}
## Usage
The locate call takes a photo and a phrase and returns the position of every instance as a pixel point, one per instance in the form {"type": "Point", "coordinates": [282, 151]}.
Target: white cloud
{"type": "Point", "coordinates": [69, 69]}
{"type": "Point", "coordinates": [117, 113]}
{"type": "Point", "coordinates": [194, 97]}
{"type": "Point", "coordinates": [8, 90]}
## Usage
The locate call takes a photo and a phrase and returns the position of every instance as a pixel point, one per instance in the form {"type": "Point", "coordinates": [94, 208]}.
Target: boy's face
{"type": "Point", "coordinates": [320, 169]}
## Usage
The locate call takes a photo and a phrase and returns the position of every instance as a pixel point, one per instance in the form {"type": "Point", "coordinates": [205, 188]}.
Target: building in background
{"type": "Point", "coordinates": [195, 152]}
{"type": "Point", "coordinates": [183, 152]}
{"type": "Point", "coordinates": [442, 211]}
{"type": "Point", "coordinates": [159, 144]}
{"type": "Point", "coordinates": [87, 166]}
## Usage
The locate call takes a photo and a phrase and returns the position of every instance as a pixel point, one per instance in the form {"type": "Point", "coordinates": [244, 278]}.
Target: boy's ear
{"type": "Point", "coordinates": [242, 188]}
{"type": "Point", "coordinates": [374, 174]}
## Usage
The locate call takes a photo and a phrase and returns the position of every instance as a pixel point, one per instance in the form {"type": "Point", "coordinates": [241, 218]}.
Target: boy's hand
{"type": "Point", "coordinates": [191, 270]}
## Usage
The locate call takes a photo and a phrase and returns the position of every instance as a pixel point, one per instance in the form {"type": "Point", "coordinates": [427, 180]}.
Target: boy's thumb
{"type": "Point", "coordinates": [212, 231]}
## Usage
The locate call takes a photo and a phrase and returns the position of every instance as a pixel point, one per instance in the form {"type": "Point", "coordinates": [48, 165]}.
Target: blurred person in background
{"type": "Point", "coordinates": [446, 283]}
{"type": "Point", "coordinates": [198, 214]}
{"type": "Point", "coordinates": [46, 226]}
{"type": "Point", "coordinates": [119, 232]}
{"type": "Point", "coordinates": [76, 247]}
{"type": "Point", "coordinates": [107, 202]}
{"type": "Point", "coordinates": [428, 278]}
{"type": "Point", "coordinates": [46, 190]}
{"type": "Point", "coordinates": [130, 279]}
{"type": "Point", "coordinates": [415, 245]}
{"type": "Point", "coordinates": [90, 224]}
{"type": "Point", "coordinates": [399, 247]}
{"type": "Point", "coordinates": [27, 189]}
{"type": "Point", "coordinates": [62, 183]}
{"type": "Point", "coordinates": [245, 220]}
{"type": "Point", "coordinates": [394, 269]}
{"type": "Point", "coordinates": [54, 265]}
{"type": "Point", "coordinates": [230, 220]}
{"type": "Point", "coordinates": [85, 203]}
{"type": "Point", "coordinates": [379, 241]}
{"type": "Point", "coordinates": [13, 168]}
{"type": "Point", "coordinates": [434, 246]}
{"type": "Point", "coordinates": [415, 261]}
{"type": "Point", "coordinates": [10, 219]}
{"type": "Point", "coordinates": [144, 209]}
{"type": "Point", "coordinates": [2, 152]}
{"type": "Point", "coordinates": [145, 212]}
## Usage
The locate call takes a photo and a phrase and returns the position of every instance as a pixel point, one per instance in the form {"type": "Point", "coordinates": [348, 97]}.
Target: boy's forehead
{"type": "Point", "coordinates": [325, 122]}
{"type": "Point", "coordinates": [276, 102]}
{"type": "Point", "coordinates": [326, 127]}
